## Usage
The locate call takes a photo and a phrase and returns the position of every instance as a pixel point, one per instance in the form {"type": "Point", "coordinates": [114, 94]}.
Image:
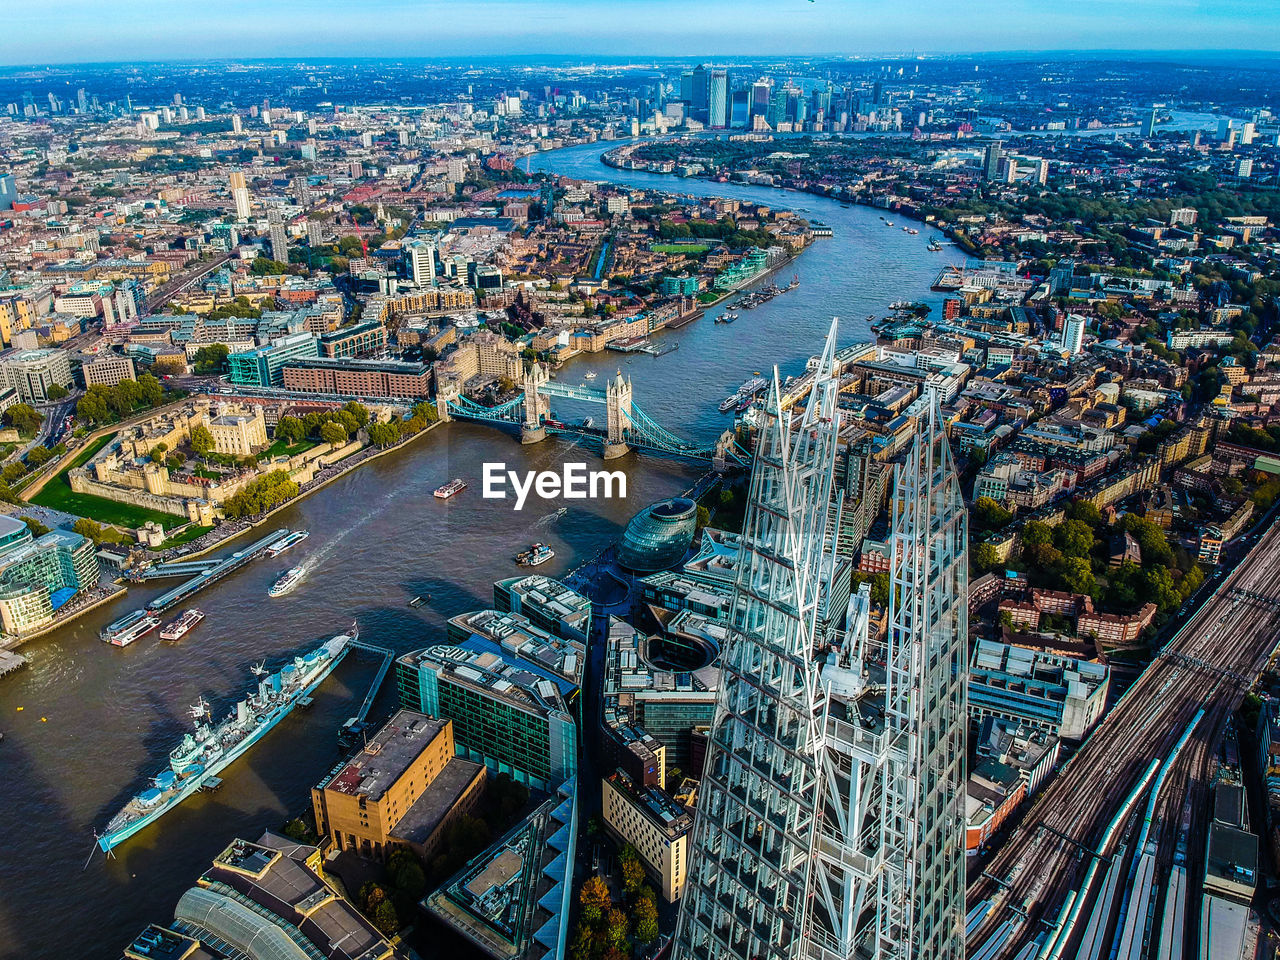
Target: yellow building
{"type": "Point", "coordinates": [655, 824]}
{"type": "Point", "coordinates": [403, 789]}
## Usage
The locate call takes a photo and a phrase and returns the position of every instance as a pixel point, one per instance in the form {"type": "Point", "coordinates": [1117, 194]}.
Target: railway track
{"type": "Point", "coordinates": [1210, 663]}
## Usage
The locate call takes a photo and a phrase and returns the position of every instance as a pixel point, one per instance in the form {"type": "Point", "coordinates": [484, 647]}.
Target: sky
{"type": "Point", "coordinates": [73, 31]}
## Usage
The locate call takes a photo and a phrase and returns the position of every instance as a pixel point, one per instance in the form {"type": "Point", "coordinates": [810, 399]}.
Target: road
{"type": "Point", "coordinates": [1211, 663]}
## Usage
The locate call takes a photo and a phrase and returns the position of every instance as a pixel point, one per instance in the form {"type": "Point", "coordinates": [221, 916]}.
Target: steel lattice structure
{"type": "Point", "coordinates": [830, 817]}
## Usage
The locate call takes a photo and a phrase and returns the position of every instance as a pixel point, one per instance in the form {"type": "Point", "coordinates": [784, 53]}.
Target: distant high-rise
{"type": "Point", "coordinates": [830, 820]}
{"type": "Point", "coordinates": [420, 262]}
{"type": "Point", "coordinates": [1149, 124]}
{"type": "Point", "coordinates": [279, 239]}
{"type": "Point", "coordinates": [1244, 169]}
{"type": "Point", "coordinates": [239, 194]}
{"type": "Point", "coordinates": [237, 125]}
{"type": "Point", "coordinates": [1073, 334]}
{"type": "Point", "coordinates": [8, 191]}
{"type": "Point", "coordinates": [991, 160]}
{"type": "Point", "coordinates": [700, 81]}
{"type": "Point", "coordinates": [718, 99]}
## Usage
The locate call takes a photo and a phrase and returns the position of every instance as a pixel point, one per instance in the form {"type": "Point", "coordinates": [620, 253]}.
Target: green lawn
{"type": "Point", "coordinates": [186, 536]}
{"type": "Point", "coordinates": [57, 495]}
{"type": "Point", "coordinates": [283, 449]}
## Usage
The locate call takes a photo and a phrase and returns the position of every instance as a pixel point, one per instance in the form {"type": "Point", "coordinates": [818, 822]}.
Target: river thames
{"type": "Point", "coordinates": [87, 723]}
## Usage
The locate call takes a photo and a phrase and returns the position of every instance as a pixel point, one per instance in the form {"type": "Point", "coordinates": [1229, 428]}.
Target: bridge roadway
{"type": "Point", "coordinates": [1210, 662]}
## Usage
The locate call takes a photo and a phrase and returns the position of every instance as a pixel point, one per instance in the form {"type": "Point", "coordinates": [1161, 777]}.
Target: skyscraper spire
{"type": "Point", "coordinates": [830, 817]}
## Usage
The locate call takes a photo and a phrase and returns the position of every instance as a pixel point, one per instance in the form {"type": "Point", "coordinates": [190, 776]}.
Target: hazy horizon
{"type": "Point", "coordinates": [73, 32]}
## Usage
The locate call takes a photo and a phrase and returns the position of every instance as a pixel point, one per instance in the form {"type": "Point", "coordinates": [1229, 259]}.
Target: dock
{"type": "Point", "coordinates": [354, 726]}
{"type": "Point", "coordinates": [211, 572]}
{"type": "Point", "coordinates": [11, 662]}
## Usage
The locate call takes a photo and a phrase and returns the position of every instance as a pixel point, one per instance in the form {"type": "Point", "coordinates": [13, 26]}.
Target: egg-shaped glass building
{"type": "Point", "coordinates": [658, 537]}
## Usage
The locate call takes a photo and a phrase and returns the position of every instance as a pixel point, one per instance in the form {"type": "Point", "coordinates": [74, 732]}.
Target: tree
{"type": "Point", "coordinates": [150, 392]}
{"type": "Point", "coordinates": [645, 914]}
{"type": "Point", "coordinates": [879, 586]}
{"type": "Point", "coordinates": [212, 359]}
{"type": "Point", "coordinates": [37, 528]}
{"type": "Point", "coordinates": [593, 898]}
{"type": "Point", "coordinates": [23, 418]}
{"type": "Point", "coordinates": [615, 928]}
{"type": "Point", "coordinates": [384, 434]}
{"type": "Point", "coordinates": [632, 872]}
{"type": "Point", "coordinates": [409, 878]}
{"type": "Point", "coordinates": [201, 441]}
{"type": "Point", "coordinates": [358, 410]}
{"type": "Point", "coordinates": [1036, 533]}
{"type": "Point", "coordinates": [704, 516]}
{"type": "Point", "coordinates": [57, 392]}
{"type": "Point", "coordinates": [385, 918]}
{"type": "Point", "coordinates": [989, 515]}
{"type": "Point", "coordinates": [985, 558]}
{"type": "Point", "coordinates": [1074, 538]}
{"type": "Point", "coordinates": [291, 430]}
{"type": "Point", "coordinates": [39, 456]}
{"type": "Point", "coordinates": [1077, 575]}
{"type": "Point", "coordinates": [333, 433]}
{"type": "Point", "coordinates": [89, 529]}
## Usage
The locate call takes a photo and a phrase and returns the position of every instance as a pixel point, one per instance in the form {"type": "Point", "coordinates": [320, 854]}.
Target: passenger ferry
{"type": "Point", "coordinates": [456, 485]}
{"type": "Point", "coordinates": [537, 554]}
{"type": "Point", "coordinates": [177, 629]}
{"type": "Point", "coordinates": [129, 628]}
{"type": "Point", "coordinates": [283, 544]}
{"type": "Point", "coordinates": [286, 583]}
{"type": "Point", "coordinates": [728, 403]}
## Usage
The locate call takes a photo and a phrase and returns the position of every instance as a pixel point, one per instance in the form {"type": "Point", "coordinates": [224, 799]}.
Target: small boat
{"type": "Point", "coordinates": [728, 403]}
{"type": "Point", "coordinates": [934, 246]}
{"type": "Point", "coordinates": [589, 375]}
{"type": "Point", "coordinates": [538, 553]}
{"type": "Point", "coordinates": [283, 544]}
{"type": "Point", "coordinates": [870, 317]}
{"type": "Point", "coordinates": [179, 628]}
{"type": "Point", "coordinates": [419, 601]}
{"type": "Point", "coordinates": [447, 490]}
{"type": "Point", "coordinates": [290, 579]}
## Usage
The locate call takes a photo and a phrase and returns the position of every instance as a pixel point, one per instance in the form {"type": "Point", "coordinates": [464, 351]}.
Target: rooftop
{"type": "Point", "coordinates": [386, 756]}
{"type": "Point", "coordinates": [422, 819]}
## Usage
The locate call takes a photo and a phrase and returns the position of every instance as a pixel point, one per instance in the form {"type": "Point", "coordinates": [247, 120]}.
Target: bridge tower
{"type": "Point", "coordinates": [618, 407]}
{"type": "Point", "coordinates": [537, 407]}
{"type": "Point", "coordinates": [445, 395]}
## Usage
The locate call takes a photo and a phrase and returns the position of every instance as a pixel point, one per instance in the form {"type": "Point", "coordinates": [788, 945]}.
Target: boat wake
{"type": "Point", "coordinates": [551, 518]}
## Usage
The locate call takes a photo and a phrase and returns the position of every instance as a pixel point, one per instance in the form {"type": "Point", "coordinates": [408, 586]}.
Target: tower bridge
{"type": "Point", "coordinates": [627, 427]}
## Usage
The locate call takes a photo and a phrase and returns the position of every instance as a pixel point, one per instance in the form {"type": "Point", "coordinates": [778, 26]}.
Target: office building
{"type": "Point", "coordinates": [511, 691]}
{"type": "Point", "coordinates": [1244, 168]}
{"type": "Point", "coordinates": [547, 604]}
{"type": "Point", "coordinates": [264, 366]}
{"type": "Point", "coordinates": [1060, 694]}
{"type": "Point", "coordinates": [38, 576]}
{"type": "Point", "coordinates": [420, 262]}
{"type": "Point", "coordinates": [358, 340]}
{"type": "Point", "coordinates": [403, 789]}
{"type": "Point", "coordinates": [31, 373]}
{"type": "Point", "coordinates": [655, 824]}
{"type": "Point", "coordinates": [659, 536]}
{"type": "Point", "coordinates": [8, 191]}
{"type": "Point", "coordinates": [278, 238]}
{"type": "Point", "coordinates": [718, 99]}
{"type": "Point", "coordinates": [108, 369]}
{"type": "Point", "coordinates": [380, 379]}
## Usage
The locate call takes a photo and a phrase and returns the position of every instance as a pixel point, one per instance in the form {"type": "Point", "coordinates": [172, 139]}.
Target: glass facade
{"type": "Point", "coordinates": [658, 537]}
{"type": "Point", "coordinates": [37, 578]}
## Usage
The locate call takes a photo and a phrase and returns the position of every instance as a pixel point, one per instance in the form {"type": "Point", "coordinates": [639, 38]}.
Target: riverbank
{"type": "Point", "coordinates": [91, 600]}
{"type": "Point", "coordinates": [326, 476]}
